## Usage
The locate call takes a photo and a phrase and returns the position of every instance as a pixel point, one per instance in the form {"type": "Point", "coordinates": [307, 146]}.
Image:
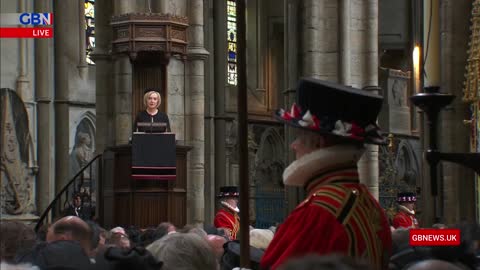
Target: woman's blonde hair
{"type": "Point", "coordinates": [148, 94]}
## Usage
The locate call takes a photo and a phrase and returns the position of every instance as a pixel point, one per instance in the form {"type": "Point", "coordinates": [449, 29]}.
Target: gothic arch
{"type": "Point", "coordinates": [407, 164]}
{"type": "Point", "coordinates": [268, 193]}
{"type": "Point", "coordinates": [269, 163]}
{"type": "Point", "coordinates": [85, 128]}
{"type": "Point", "coordinates": [86, 125]}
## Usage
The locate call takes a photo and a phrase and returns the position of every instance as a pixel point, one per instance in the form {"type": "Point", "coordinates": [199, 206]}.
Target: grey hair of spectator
{"type": "Point", "coordinates": [164, 228]}
{"type": "Point", "coordinates": [326, 262]}
{"type": "Point", "coordinates": [434, 264]}
{"type": "Point", "coordinates": [198, 231]}
{"type": "Point", "coordinates": [182, 251]}
{"type": "Point", "coordinates": [23, 266]}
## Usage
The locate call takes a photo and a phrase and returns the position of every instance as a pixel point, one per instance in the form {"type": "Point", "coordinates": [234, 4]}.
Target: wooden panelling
{"type": "Point", "coordinates": [147, 77]}
{"type": "Point", "coordinates": [142, 203]}
{"type": "Point", "coordinates": [122, 209]}
{"type": "Point", "coordinates": [150, 208]}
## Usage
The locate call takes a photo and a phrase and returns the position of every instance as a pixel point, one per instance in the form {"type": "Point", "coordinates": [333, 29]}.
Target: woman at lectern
{"type": "Point", "coordinates": [151, 114]}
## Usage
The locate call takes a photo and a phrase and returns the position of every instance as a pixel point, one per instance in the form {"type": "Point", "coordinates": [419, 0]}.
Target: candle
{"type": "Point", "coordinates": [431, 44]}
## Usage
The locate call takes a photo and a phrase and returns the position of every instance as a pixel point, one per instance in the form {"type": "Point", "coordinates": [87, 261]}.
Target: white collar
{"type": "Point", "coordinates": [226, 204]}
{"type": "Point", "coordinates": [406, 210]}
{"type": "Point", "coordinates": [309, 165]}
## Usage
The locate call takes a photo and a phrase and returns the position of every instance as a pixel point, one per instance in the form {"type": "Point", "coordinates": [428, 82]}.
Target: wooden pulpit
{"type": "Point", "coordinates": [153, 156]}
{"type": "Point", "coordinates": [126, 201]}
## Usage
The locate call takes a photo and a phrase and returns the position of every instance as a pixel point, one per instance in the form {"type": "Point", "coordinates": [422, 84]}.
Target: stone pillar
{"type": "Point", "coordinates": [368, 164]}
{"type": "Point", "coordinates": [45, 186]}
{"type": "Point", "coordinates": [210, 142]}
{"type": "Point", "coordinates": [82, 36]}
{"type": "Point", "coordinates": [24, 86]}
{"type": "Point", "coordinates": [319, 50]}
{"type": "Point", "coordinates": [103, 78]}
{"type": "Point", "coordinates": [123, 98]}
{"type": "Point", "coordinates": [345, 41]}
{"type": "Point", "coordinates": [123, 85]}
{"type": "Point", "coordinates": [220, 50]}
{"type": "Point", "coordinates": [124, 6]}
{"type": "Point", "coordinates": [458, 182]}
{"type": "Point", "coordinates": [66, 54]}
{"type": "Point", "coordinates": [293, 194]}
{"type": "Point", "coordinates": [194, 115]}
{"type": "Point", "coordinates": [159, 6]}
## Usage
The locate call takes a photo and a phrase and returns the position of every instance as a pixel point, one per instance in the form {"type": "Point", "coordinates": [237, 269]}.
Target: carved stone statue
{"type": "Point", "coordinates": [16, 179]}
{"type": "Point", "coordinates": [81, 153]}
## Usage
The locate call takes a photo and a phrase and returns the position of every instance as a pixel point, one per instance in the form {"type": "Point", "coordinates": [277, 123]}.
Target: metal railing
{"type": "Point", "coordinates": [85, 183]}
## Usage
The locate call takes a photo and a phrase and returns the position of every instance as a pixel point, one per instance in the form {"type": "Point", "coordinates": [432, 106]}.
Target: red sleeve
{"type": "Point", "coordinates": [401, 221]}
{"type": "Point", "coordinates": [222, 221]}
{"type": "Point", "coordinates": [308, 222]}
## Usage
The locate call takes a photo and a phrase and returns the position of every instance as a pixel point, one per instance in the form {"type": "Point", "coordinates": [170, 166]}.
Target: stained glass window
{"type": "Point", "coordinates": [90, 28]}
{"type": "Point", "coordinates": [232, 42]}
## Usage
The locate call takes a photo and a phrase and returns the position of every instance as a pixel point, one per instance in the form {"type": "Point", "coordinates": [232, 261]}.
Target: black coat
{"type": "Point", "coordinates": [84, 212]}
{"type": "Point", "coordinates": [160, 117]}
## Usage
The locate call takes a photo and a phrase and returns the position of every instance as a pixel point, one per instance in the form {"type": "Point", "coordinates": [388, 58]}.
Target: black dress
{"type": "Point", "coordinates": [159, 117]}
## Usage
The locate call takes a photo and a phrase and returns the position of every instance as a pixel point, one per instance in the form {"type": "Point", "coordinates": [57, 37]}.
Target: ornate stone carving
{"type": "Point", "coordinates": [399, 170]}
{"type": "Point", "coordinates": [395, 116]}
{"type": "Point", "coordinates": [179, 34]}
{"type": "Point", "coordinates": [136, 33]}
{"type": "Point", "coordinates": [151, 32]}
{"type": "Point", "coordinates": [16, 190]}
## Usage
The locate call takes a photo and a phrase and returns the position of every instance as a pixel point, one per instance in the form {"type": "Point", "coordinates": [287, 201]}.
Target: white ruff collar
{"type": "Point", "coordinates": [234, 209]}
{"type": "Point", "coordinates": [308, 166]}
{"type": "Point", "coordinates": [406, 210]}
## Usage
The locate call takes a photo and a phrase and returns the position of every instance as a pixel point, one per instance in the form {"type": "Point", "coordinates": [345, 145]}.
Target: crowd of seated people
{"type": "Point", "coordinates": [72, 243]}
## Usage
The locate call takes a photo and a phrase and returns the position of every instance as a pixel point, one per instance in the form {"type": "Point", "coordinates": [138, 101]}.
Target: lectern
{"type": "Point", "coordinates": [153, 156]}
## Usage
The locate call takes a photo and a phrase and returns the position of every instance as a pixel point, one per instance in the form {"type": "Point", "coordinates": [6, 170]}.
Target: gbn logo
{"type": "Point", "coordinates": [36, 18]}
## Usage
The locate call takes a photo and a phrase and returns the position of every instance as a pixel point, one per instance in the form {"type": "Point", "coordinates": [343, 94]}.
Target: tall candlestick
{"type": "Point", "coordinates": [431, 41]}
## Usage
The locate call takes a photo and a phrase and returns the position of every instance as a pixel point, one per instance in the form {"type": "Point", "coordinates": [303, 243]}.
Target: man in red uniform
{"type": "Point", "coordinates": [227, 217]}
{"type": "Point", "coordinates": [339, 215]}
{"type": "Point", "coordinates": [405, 217]}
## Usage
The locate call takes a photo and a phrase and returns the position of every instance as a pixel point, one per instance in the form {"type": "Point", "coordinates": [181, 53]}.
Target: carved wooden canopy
{"type": "Point", "coordinates": [150, 33]}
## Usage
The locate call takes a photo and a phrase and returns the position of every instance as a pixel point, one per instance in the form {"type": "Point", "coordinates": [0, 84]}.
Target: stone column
{"type": "Point", "coordinates": [66, 54]}
{"type": "Point", "coordinates": [345, 42]}
{"type": "Point", "coordinates": [293, 194]}
{"type": "Point", "coordinates": [210, 141]}
{"type": "Point", "coordinates": [158, 6]}
{"type": "Point", "coordinates": [124, 6]}
{"type": "Point", "coordinates": [45, 186]}
{"type": "Point", "coordinates": [458, 182]}
{"type": "Point", "coordinates": [82, 36]}
{"type": "Point", "coordinates": [194, 115]}
{"type": "Point", "coordinates": [103, 77]}
{"type": "Point", "coordinates": [123, 98]}
{"type": "Point", "coordinates": [220, 51]}
{"type": "Point", "coordinates": [123, 85]}
{"type": "Point", "coordinates": [319, 50]}
{"type": "Point", "coordinates": [24, 86]}
{"type": "Point", "coordinates": [368, 164]}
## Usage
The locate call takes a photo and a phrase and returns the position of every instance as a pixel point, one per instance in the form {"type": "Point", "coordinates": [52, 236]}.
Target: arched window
{"type": "Point", "coordinates": [90, 29]}
{"type": "Point", "coordinates": [232, 42]}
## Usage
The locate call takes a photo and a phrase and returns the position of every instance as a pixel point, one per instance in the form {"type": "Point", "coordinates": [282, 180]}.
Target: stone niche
{"type": "Point", "coordinates": [150, 33]}
{"type": "Point", "coordinates": [395, 115]}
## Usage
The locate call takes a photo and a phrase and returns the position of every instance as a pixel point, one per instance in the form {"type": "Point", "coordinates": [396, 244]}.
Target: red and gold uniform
{"type": "Point", "coordinates": [228, 219]}
{"type": "Point", "coordinates": [405, 219]}
{"type": "Point", "coordinates": [339, 215]}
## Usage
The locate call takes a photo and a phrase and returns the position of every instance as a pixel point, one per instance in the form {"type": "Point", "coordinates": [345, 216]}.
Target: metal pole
{"type": "Point", "coordinates": [242, 136]}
